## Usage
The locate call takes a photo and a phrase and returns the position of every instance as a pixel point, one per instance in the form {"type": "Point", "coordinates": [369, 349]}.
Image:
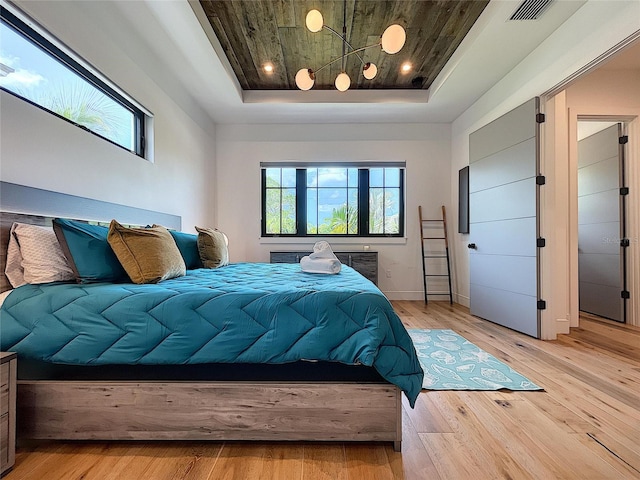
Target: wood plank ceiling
{"type": "Point", "coordinates": [254, 33]}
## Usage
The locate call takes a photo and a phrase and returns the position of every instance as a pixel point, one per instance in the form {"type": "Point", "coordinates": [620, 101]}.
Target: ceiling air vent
{"type": "Point", "coordinates": [530, 9]}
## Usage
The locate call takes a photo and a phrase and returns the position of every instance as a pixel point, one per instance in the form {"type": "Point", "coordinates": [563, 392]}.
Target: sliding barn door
{"type": "Point", "coordinates": [504, 227]}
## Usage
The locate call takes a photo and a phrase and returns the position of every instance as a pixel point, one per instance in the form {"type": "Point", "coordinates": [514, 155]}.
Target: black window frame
{"type": "Point", "coordinates": [363, 201]}
{"type": "Point", "coordinates": [49, 47]}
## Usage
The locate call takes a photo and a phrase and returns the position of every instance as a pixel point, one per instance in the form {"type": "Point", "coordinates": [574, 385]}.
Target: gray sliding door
{"type": "Point", "coordinates": [503, 207]}
{"type": "Point", "coordinates": [599, 225]}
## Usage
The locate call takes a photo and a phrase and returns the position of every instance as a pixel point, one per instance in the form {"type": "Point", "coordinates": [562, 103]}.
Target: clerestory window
{"type": "Point", "coordinates": [39, 69]}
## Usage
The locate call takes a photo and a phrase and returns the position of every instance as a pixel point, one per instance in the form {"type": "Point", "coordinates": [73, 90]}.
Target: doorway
{"type": "Point", "coordinates": [602, 191]}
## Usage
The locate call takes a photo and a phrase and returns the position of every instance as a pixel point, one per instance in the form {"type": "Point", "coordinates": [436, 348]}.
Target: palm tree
{"type": "Point", "coordinates": [280, 209]}
{"type": "Point", "coordinates": [343, 220]}
{"type": "Point", "coordinates": [86, 106]}
{"type": "Point", "coordinates": [379, 219]}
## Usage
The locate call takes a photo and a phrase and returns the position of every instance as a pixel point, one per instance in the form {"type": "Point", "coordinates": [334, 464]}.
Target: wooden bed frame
{"type": "Point", "coordinates": [201, 410]}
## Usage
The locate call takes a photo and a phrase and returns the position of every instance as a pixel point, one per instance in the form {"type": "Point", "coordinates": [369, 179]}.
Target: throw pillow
{"type": "Point", "coordinates": [212, 246]}
{"type": "Point", "coordinates": [88, 251]}
{"type": "Point", "coordinates": [39, 255]}
{"type": "Point", "coordinates": [188, 245]}
{"type": "Point", "coordinates": [148, 255]}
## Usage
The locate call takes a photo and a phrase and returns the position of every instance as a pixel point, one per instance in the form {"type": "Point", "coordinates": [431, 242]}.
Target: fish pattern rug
{"type": "Point", "coordinates": [450, 362]}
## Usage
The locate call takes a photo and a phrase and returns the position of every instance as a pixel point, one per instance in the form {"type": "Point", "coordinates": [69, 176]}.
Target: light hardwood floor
{"type": "Point", "coordinates": [585, 425]}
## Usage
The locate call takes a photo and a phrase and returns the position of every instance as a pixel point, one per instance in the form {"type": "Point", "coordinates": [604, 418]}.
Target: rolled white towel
{"type": "Point", "coordinates": [320, 265]}
{"type": "Point", "coordinates": [322, 249]}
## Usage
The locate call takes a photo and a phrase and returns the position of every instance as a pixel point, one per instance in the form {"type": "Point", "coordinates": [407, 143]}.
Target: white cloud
{"type": "Point", "coordinates": [21, 78]}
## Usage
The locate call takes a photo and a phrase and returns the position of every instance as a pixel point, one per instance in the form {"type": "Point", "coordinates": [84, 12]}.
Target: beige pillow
{"type": "Point", "coordinates": [34, 256]}
{"type": "Point", "coordinates": [148, 255]}
{"type": "Point", "coordinates": [212, 247]}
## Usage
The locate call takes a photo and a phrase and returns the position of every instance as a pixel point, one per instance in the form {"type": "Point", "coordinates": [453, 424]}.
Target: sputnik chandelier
{"type": "Point", "coordinates": [392, 41]}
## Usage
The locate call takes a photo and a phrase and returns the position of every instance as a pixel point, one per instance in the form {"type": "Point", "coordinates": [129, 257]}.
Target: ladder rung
{"type": "Point", "coordinates": [433, 238]}
{"type": "Point", "coordinates": [435, 256]}
{"type": "Point", "coordinates": [436, 220]}
{"type": "Point", "coordinates": [434, 275]}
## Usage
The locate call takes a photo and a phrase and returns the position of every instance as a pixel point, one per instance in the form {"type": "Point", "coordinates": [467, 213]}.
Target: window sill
{"type": "Point", "coordinates": [334, 241]}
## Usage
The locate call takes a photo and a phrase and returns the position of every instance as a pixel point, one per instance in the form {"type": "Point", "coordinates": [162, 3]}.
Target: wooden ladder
{"type": "Point", "coordinates": [430, 225]}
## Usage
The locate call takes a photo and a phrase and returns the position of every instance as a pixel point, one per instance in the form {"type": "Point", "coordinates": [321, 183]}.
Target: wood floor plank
{"type": "Point", "coordinates": [137, 460]}
{"type": "Point", "coordinates": [424, 417]}
{"type": "Point", "coordinates": [368, 461]}
{"type": "Point", "coordinates": [558, 445]}
{"type": "Point", "coordinates": [450, 456]}
{"type": "Point", "coordinates": [239, 461]}
{"type": "Point", "coordinates": [479, 442]}
{"type": "Point", "coordinates": [627, 457]}
{"type": "Point", "coordinates": [584, 425]}
{"type": "Point", "coordinates": [67, 463]}
{"type": "Point", "coordinates": [416, 464]}
{"type": "Point", "coordinates": [31, 457]}
{"type": "Point", "coordinates": [324, 462]}
{"type": "Point", "coordinates": [526, 451]}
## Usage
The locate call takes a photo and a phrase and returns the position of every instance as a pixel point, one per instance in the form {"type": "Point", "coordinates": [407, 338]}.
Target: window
{"type": "Point", "coordinates": [346, 200]}
{"type": "Point", "coordinates": [38, 70]}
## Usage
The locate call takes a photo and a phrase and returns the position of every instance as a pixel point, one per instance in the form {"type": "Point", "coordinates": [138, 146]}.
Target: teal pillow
{"type": "Point", "coordinates": [88, 251]}
{"type": "Point", "coordinates": [188, 245]}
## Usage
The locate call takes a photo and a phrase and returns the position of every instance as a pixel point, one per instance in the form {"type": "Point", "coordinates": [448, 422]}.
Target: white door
{"type": "Point", "coordinates": [503, 220]}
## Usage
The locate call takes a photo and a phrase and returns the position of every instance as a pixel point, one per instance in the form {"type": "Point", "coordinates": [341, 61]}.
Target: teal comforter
{"type": "Point", "coordinates": [245, 312]}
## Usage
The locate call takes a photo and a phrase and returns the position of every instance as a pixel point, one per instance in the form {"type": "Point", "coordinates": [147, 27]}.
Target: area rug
{"type": "Point", "coordinates": [450, 362]}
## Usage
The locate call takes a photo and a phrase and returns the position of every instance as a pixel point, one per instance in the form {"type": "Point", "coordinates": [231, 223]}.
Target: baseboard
{"type": "Point", "coordinates": [403, 295]}
{"type": "Point", "coordinates": [461, 299]}
{"type": "Point", "coordinates": [562, 326]}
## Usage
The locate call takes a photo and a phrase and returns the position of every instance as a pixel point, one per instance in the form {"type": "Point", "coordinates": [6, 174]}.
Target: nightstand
{"type": "Point", "coordinates": [8, 372]}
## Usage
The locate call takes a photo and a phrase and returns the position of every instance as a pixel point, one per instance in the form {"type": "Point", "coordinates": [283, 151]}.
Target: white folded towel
{"type": "Point", "coordinates": [322, 249]}
{"type": "Point", "coordinates": [320, 265]}
{"type": "Point", "coordinates": [322, 260]}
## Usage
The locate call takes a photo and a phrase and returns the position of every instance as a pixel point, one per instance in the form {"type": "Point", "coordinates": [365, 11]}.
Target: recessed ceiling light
{"type": "Point", "coordinates": [406, 67]}
{"type": "Point", "coordinates": [268, 68]}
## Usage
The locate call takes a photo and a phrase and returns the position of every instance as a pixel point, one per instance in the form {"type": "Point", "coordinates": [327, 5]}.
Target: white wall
{"type": "Point", "coordinates": [596, 27]}
{"type": "Point", "coordinates": [424, 147]}
{"type": "Point", "coordinates": [39, 150]}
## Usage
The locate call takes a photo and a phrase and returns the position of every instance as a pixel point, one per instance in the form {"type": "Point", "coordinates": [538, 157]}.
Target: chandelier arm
{"type": "Point", "coordinates": [344, 40]}
{"type": "Point", "coordinates": [346, 55]}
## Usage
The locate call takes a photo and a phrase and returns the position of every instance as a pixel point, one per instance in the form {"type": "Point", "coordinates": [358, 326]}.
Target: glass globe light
{"type": "Point", "coordinates": [305, 79]}
{"type": "Point", "coordinates": [393, 39]}
{"type": "Point", "coordinates": [369, 71]}
{"type": "Point", "coordinates": [343, 82]}
{"type": "Point", "coordinates": [314, 21]}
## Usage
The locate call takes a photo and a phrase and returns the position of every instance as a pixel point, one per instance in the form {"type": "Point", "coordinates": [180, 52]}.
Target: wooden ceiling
{"type": "Point", "coordinates": [256, 32]}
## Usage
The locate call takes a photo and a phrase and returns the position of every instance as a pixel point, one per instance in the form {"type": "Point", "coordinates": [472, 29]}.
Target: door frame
{"type": "Point", "coordinates": [623, 181]}
{"type": "Point", "coordinates": [560, 211]}
{"type": "Point", "coordinates": [631, 123]}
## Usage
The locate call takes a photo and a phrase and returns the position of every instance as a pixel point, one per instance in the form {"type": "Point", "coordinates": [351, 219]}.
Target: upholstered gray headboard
{"type": "Point", "coordinates": [19, 203]}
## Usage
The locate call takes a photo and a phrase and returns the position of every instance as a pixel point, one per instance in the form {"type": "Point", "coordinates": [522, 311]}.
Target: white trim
{"type": "Point", "coordinates": [562, 326]}
{"type": "Point", "coordinates": [633, 221]}
{"type": "Point", "coordinates": [592, 65]}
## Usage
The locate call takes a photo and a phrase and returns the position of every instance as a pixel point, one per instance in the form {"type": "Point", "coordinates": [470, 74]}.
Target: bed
{"type": "Point", "coordinates": [244, 352]}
